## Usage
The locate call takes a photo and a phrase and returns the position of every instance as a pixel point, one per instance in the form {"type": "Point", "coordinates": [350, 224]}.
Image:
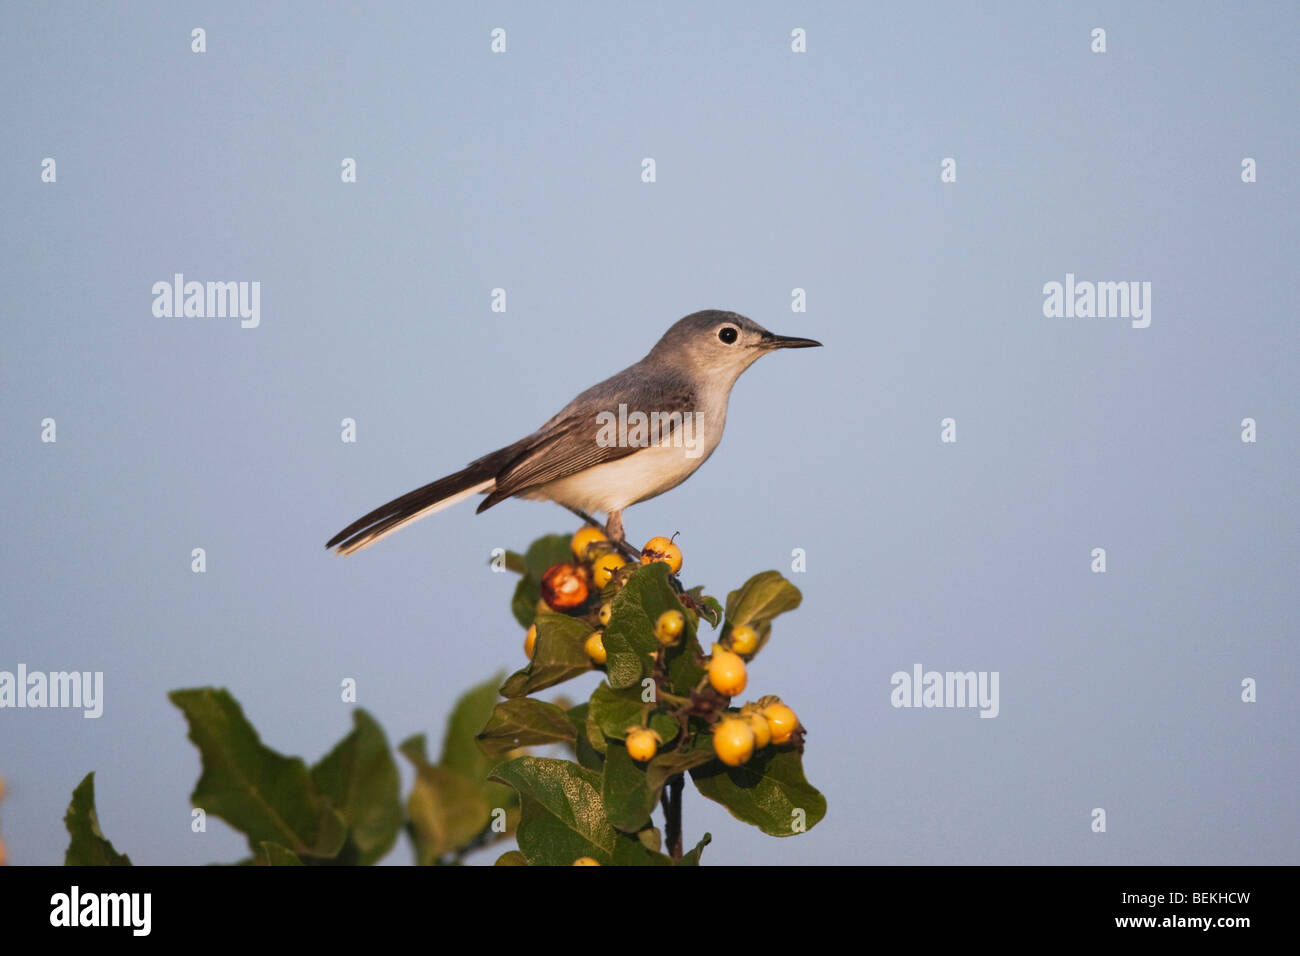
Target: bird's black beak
{"type": "Point", "coordinates": [787, 342]}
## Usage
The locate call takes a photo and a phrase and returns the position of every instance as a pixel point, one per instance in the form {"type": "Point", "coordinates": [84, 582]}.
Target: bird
{"type": "Point", "coordinates": [625, 440]}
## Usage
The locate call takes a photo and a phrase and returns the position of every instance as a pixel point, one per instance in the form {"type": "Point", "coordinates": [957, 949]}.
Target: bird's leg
{"type": "Point", "coordinates": [614, 526]}
{"type": "Point", "coordinates": [614, 531]}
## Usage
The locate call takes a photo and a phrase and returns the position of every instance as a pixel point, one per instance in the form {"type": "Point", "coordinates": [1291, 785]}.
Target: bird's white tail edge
{"type": "Point", "coordinates": [362, 543]}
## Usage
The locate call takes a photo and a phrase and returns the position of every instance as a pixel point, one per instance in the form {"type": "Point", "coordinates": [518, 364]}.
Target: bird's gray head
{"type": "Point", "coordinates": [720, 344]}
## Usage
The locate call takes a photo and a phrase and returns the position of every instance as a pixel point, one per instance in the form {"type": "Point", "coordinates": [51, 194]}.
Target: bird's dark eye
{"type": "Point", "coordinates": [727, 334]}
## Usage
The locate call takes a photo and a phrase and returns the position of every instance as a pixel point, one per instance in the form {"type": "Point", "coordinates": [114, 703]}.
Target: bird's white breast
{"type": "Point", "coordinates": [650, 471]}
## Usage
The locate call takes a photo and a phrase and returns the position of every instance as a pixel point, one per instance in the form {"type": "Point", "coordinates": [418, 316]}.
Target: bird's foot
{"type": "Point", "coordinates": [614, 531]}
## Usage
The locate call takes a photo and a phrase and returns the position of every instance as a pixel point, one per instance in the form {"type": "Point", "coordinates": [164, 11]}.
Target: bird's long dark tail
{"type": "Point", "coordinates": [479, 477]}
{"type": "Point", "coordinates": [412, 506]}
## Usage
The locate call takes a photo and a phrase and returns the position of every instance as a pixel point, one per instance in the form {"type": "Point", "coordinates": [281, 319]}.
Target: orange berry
{"type": "Point", "coordinates": [669, 627]}
{"type": "Point", "coordinates": [733, 741]}
{"type": "Point", "coordinates": [727, 672]}
{"type": "Point", "coordinates": [782, 720]}
{"type": "Point", "coordinates": [759, 725]}
{"type": "Point", "coordinates": [642, 743]}
{"type": "Point", "coordinates": [603, 568]}
{"type": "Point", "coordinates": [662, 549]}
{"type": "Point", "coordinates": [584, 539]}
{"type": "Point", "coordinates": [563, 587]}
{"type": "Point", "coordinates": [743, 639]}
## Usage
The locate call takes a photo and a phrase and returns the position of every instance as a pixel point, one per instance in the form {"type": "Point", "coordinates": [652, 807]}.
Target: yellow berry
{"type": "Point", "coordinates": [733, 741]}
{"type": "Point", "coordinates": [668, 629]}
{"type": "Point", "coordinates": [586, 861]}
{"type": "Point", "coordinates": [603, 568]}
{"type": "Point", "coordinates": [530, 642]}
{"type": "Point", "coordinates": [642, 743]}
{"type": "Point", "coordinates": [605, 611]}
{"type": "Point", "coordinates": [744, 639]}
{"type": "Point", "coordinates": [782, 720]}
{"type": "Point", "coordinates": [759, 725]}
{"type": "Point", "coordinates": [595, 648]}
{"type": "Point", "coordinates": [662, 549]}
{"type": "Point", "coordinates": [586, 536]}
{"type": "Point", "coordinates": [726, 672]}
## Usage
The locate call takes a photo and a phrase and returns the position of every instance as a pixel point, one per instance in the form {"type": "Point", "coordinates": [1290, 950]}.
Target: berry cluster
{"type": "Point", "coordinates": [586, 588]}
{"type": "Point", "coordinates": [567, 588]}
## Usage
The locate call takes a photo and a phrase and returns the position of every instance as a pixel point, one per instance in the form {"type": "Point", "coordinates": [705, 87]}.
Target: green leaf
{"type": "Point", "coordinates": [584, 746]}
{"type": "Point", "coordinates": [769, 792]}
{"type": "Point", "coordinates": [758, 600]}
{"type": "Point", "coordinates": [761, 598]}
{"type": "Point", "coordinates": [514, 562]}
{"type": "Point", "coordinates": [332, 837]}
{"type": "Point", "coordinates": [272, 854]}
{"type": "Point", "coordinates": [558, 656]}
{"type": "Point", "coordinates": [525, 722]}
{"type": "Point", "coordinates": [596, 737]}
{"type": "Point", "coordinates": [360, 780]}
{"type": "Point", "coordinates": [523, 604]}
{"type": "Point", "coordinates": [685, 667]}
{"type": "Point", "coordinates": [460, 749]}
{"type": "Point", "coordinates": [629, 850]}
{"type": "Point", "coordinates": [669, 763]}
{"type": "Point", "coordinates": [628, 799]}
{"type": "Point", "coordinates": [651, 839]}
{"type": "Point", "coordinates": [630, 642]}
{"type": "Point", "coordinates": [548, 550]}
{"type": "Point", "coordinates": [613, 711]}
{"type": "Point", "coordinates": [563, 816]}
{"type": "Point", "coordinates": [511, 858]}
{"type": "Point", "coordinates": [447, 809]}
{"type": "Point", "coordinates": [415, 749]}
{"type": "Point", "coordinates": [692, 857]}
{"type": "Point", "coordinates": [631, 790]}
{"type": "Point", "coordinates": [88, 846]}
{"type": "Point", "coordinates": [265, 795]}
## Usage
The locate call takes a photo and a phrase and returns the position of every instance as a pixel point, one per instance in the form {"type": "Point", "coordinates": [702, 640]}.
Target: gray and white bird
{"type": "Point", "coordinates": [630, 438]}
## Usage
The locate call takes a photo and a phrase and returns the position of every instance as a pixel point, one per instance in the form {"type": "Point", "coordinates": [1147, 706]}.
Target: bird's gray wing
{"type": "Point", "coordinates": [568, 442]}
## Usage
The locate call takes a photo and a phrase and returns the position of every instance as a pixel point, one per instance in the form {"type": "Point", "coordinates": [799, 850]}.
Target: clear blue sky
{"type": "Point", "coordinates": [775, 170]}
